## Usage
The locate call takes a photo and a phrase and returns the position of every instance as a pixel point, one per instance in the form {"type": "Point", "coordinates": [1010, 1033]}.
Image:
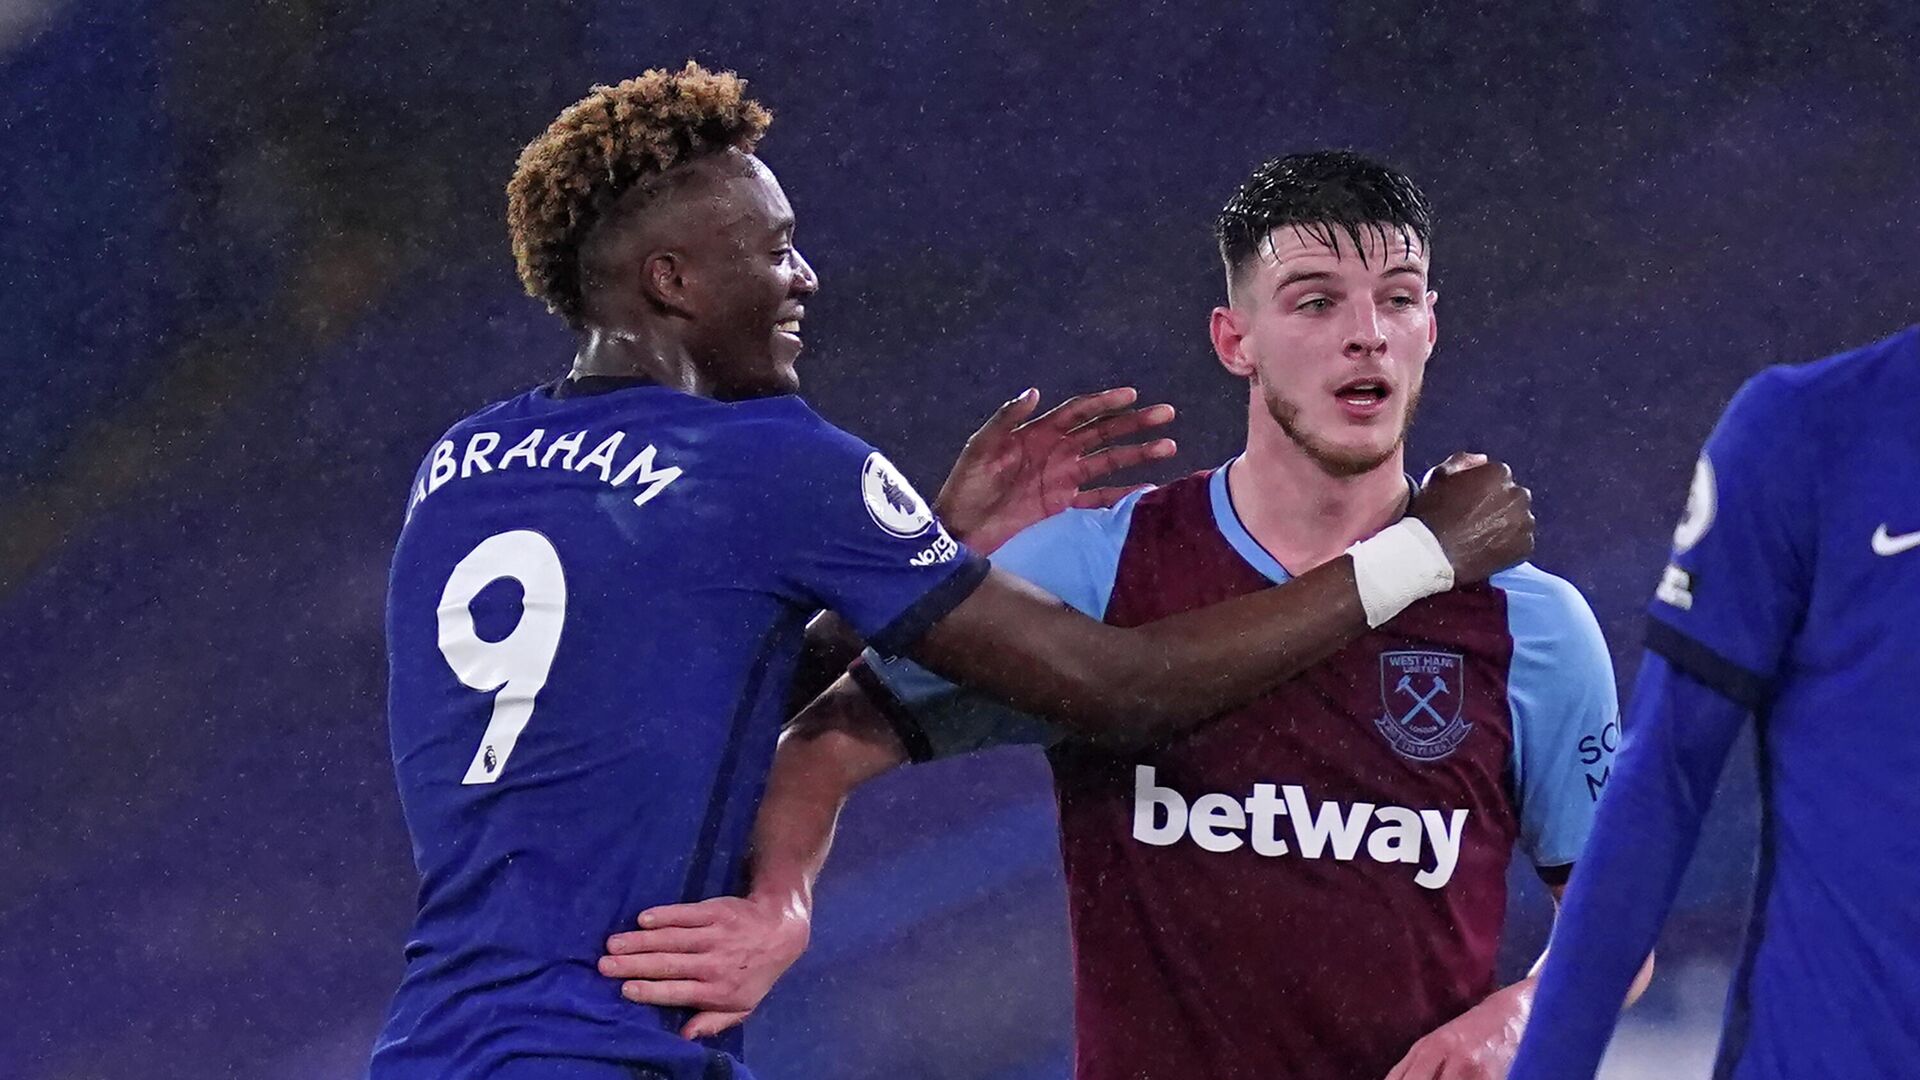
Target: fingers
{"type": "Point", "coordinates": [661, 967]}
{"type": "Point", "coordinates": [1113, 427]}
{"type": "Point", "coordinates": [703, 913]}
{"type": "Point", "coordinates": [1101, 498]}
{"type": "Point", "coordinates": [679, 993]}
{"type": "Point", "coordinates": [671, 939]}
{"type": "Point", "coordinates": [1075, 411]}
{"type": "Point", "coordinates": [1114, 458]}
{"type": "Point", "coordinates": [1011, 415]}
{"type": "Point", "coordinates": [1006, 418]}
{"type": "Point", "coordinates": [708, 1024]}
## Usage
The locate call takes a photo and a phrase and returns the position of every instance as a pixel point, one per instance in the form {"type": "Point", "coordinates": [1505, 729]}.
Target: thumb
{"type": "Point", "coordinates": [1457, 463]}
{"type": "Point", "coordinates": [1461, 462]}
{"type": "Point", "coordinates": [705, 1025]}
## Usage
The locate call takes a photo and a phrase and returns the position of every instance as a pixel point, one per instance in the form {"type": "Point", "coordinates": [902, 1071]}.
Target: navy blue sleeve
{"type": "Point", "coordinates": [852, 535]}
{"type": "Point", "coordinates": [1678, 732]}
{"type": "Point", "coordinates": [1730, 602]}
{"type": "Point", "coordinates": [1072, 555]}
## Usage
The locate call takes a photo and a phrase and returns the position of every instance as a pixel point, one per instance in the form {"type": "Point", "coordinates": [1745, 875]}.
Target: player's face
{"type": "Point", "coordinates": [1335, 344]}
{"type": "Point", "coordinates": [754, 283]}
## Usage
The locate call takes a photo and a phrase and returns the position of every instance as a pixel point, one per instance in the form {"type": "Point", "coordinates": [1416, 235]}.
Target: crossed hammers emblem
{"type": "Point", "coordinates": [1420, 702]}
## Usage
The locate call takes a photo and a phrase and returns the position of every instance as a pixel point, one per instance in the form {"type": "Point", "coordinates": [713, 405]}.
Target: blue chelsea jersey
{"type": "Point", "coordinates": [1795, 590]}
{"type": "Point", "coordinates": [595, 610]}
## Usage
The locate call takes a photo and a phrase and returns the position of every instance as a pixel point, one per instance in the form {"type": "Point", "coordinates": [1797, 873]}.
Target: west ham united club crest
{"type": "Point", "coordinates": [1423, 693]}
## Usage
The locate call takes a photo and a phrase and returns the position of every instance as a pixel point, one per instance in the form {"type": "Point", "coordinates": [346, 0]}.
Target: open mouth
{"type": "Point", "coordinates": [788, 326]}
{"type": "Point", "coordinates": [1363, 392]}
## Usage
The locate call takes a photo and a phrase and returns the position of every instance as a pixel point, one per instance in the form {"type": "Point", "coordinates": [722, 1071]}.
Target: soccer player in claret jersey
{"type": "Point", "coordinates": [1793, 596]}
{"type": "Point", "coordinates": [597, 600]}
{"type": "Point", "coordinates": [1361, 817]}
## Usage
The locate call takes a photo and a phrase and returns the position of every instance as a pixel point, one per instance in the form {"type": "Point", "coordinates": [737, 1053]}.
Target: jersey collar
{"type": "Point", "coordinates": [1227, 520]}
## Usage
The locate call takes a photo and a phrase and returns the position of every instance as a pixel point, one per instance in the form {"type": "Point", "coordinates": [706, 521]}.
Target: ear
{"type": "Point", "coordinates": [1228, 330]}
{"type": "Point", "coordinates": [1433, 319]}
{"type": "Point", "coordinates": [665, 280]}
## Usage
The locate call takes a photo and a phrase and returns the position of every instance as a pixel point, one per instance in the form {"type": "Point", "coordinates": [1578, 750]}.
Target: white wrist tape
{"type": "Point", "coordinates": [1398, 565]}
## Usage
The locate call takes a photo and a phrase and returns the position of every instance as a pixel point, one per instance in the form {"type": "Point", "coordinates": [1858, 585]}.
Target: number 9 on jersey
{"type": "Point", "coordinates": [516, 665]}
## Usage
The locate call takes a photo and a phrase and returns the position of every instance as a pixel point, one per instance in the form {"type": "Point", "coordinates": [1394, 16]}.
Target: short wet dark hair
{"type": "Point", "coordinates": [1325, 194]}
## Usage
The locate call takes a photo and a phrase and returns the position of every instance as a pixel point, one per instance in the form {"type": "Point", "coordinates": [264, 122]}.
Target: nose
{"type": "Point", "coordinates": [807, 283]}
{"type": "Point", "coordinates": [1366, 338]}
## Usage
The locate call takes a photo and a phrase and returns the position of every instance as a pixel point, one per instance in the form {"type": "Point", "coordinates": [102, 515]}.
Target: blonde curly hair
{"type": "Point", "coordinates": [599, 148]}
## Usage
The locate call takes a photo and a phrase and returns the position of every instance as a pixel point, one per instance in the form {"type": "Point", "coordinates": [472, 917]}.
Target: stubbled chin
{"type": "Point", "coordinates": [1338, 444]}
{"type": "Point", "coordinates": [1349, 449]}
{"type": "Point", "coordinates": [1347, 461]}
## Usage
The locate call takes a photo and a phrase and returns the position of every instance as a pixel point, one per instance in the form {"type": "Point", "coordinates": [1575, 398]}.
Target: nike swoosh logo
{"type": "Point", "coordinates": [1887, 544]}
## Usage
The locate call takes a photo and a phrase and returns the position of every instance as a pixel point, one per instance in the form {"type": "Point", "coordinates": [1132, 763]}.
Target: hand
{"type": "Point", "coordinates": [718, 956]}
{"type": "Point", "coordinates": [1479, 1044]}
{"type": "Point", "coordinates": [1015, 471]}
{"type": "Point", "coordinates": [1483, 520]}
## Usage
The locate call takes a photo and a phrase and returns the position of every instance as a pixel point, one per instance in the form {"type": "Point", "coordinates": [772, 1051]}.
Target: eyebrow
{"type": "Point", "coordinates": [1404, 268]}
{"type": "Point", "coordinates": [1299, 276]}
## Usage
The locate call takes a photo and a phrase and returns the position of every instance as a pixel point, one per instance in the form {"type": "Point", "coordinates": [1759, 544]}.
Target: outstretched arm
{"type": "Point", "coordinates": [1018, 469]}
{"type": "Point", "coordinates": [1022, 646]}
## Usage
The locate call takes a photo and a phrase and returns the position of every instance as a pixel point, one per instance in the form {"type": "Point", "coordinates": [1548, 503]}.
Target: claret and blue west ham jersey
{"type": "Point", "coordinates": [597, 604]}
{"type": "Point", "coordinates": [1793, 596]}
{"type": "Point", "coordinates": [1302, 887]}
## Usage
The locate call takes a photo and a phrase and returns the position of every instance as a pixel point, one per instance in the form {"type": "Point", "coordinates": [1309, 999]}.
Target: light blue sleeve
{"type": "Point", "coordinates": [1072, 555]}
{"type": "Point", "coordinates": [1566, 714]}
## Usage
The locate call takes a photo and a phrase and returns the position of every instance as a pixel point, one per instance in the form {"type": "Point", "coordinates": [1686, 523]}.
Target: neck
{"type": "Point", "coordinates": [1300, 513]}
{"type": "Point", "coordinates": [645, 352]}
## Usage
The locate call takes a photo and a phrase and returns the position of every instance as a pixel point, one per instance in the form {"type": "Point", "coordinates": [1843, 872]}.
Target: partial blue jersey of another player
{"type": "Point", "coordinates": [597, 604]}
{"type": "Point", "coordinates": [1793, 596]}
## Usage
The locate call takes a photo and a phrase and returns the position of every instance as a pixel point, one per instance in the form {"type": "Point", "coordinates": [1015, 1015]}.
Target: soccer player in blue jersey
{"type": "Point", "coordinates": [1793, 597]}
{"type": "Point", "coordinates": [597, 601]}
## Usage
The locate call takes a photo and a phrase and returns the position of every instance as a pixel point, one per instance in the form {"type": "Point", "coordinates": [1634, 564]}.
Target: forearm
{"type": "Point", "coordinates": [1678, 734]}
{"type": "Point", "coordinates": [834, 745]}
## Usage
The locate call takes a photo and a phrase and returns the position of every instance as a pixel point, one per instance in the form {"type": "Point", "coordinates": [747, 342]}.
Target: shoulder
{"type": "Point", "coordinates": [782, 423]}
{"type": "Point", "coordinates": [790, 446]}
{"type": "Point", "coordinates": [490, 415]}
{"type": "Point", "coordinates": [1076, 529]}
{"type": "Point", "coordinates": [1073, 554]}
{"type": "Point", "coordinates": [1890, 363]}
{"type": "Point", "coordinates": [1531, 586]}
{"type": "Point", "coordinates": [1803, 399]}
{"type": "Point", "coordinates": [1550, 620]}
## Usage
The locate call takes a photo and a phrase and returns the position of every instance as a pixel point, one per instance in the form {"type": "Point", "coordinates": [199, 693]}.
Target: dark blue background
{"type": "Point", "coordinates": [254, 262]}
